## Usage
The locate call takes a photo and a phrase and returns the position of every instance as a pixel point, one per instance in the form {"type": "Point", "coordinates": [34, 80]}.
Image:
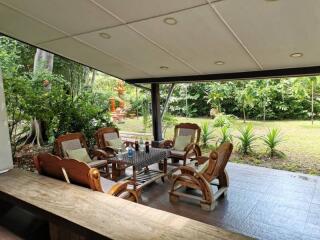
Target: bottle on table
{"type": "Point", "coordinates": [136, 145]}
{"type": "Point", "coordinates": [147, 147]}
{"type": "Point", "coordinates": [141, 145]}
{"type": "Point", "coordinates": [130, 151]}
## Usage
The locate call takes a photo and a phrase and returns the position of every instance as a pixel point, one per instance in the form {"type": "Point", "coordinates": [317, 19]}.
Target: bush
{"type": "Point", "coordinates": [272, 141]}
{"type": "Point", "coordinates": [206, 133]}
{"type": "Point", "coordinates": [222, 120]}
{"type": "Point", "coordinates": [246, 138]}
{"type": "Point", "coordinates": [225, 135]}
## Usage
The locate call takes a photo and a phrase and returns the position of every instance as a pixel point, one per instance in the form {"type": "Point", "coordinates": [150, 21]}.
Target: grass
{"type": "Point", "coordinates": [301, 144]}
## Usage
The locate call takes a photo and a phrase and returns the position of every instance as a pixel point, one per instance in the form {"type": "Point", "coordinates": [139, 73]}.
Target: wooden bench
{"type": "Point", "coordinates": [78, 213]}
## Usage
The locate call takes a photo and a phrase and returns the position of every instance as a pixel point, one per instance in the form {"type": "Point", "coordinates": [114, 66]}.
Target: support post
{"type": "Point", "coordinates": [156, 116]}
{"type": "Point", "coordinates": [6, 162]}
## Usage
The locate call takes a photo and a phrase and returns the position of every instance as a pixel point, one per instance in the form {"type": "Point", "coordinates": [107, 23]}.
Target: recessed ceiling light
{"type": "Point", "coordinates": [105, 35]}
{"type": "Point", "coordinates": [296, 55]}
{"type": "Point", "coordinates": [164, 68]}
{"type": "Point", "coordinates": [170, 21]}
{"type": "Point", "coordinates": [219, 63]}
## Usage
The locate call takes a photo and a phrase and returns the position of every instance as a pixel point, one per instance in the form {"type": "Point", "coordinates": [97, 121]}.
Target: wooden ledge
{"type": "Point", "coordinates": [97, 215]}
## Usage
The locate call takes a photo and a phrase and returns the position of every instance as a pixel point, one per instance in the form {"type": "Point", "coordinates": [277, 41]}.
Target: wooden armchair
{"type": "Point", "coordinates": [73, 141]}
{"type": "Point", "coordinates": [79, 173]}
{"type": "Point", "coordinates": [192, 149]}
{"type": "Point", "coordinates": [201, 178]}
{"type": "Point", "coordinates": [103, 135]}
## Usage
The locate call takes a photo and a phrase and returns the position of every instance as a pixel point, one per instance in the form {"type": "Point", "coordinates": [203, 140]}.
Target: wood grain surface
{"type": "Point", "coordinates": [100, 213]}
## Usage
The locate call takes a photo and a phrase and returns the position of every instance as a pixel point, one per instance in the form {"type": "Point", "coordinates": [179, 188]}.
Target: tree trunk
{"type": "Point", "coordinates": [42, 61]}
{"type": "Point", "coordinates": [312, 101]}
{"type": "Point", "coordinates": [93, 78]}
{"type": "Point", "coordinates": [264, 111]}
{"type": "Point", "coordinates": [244, 114]}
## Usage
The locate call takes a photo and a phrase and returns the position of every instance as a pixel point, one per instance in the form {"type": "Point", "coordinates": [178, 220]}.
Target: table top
{"type": "Point", "coordinates": [142, 159]}
{"type": "Point", "coordinates": [98, 213]}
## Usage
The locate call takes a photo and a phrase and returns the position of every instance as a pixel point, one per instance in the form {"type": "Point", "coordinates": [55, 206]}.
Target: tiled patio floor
{"type": "Point", "coordinates": [261, 203]}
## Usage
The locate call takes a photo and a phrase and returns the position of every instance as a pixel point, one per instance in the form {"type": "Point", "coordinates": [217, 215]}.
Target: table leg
{"type": "Point", "coordinates": [134, 177]}
{"type": "Point", "coordinates": [164, 169]}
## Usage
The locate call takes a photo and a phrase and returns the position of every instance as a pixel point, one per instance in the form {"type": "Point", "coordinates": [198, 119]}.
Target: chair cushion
{"type": "Point", "coordinates": [80, 154]}
{"type": "Point", "coordinates": [186, 132]}
{"type": "Point", "coordinates": [110, 136]}
{"type": "Point", "coordinates": [181, 142]}
{"type": "Point", "coordinates": [70, 145]}
{"type": "Point", "coordinates": [98, 163]}
{"type": "Point", "coordinates": [116, 143]}
{"type": "Point", "coordinates": [106, 184]}
{"type": "Point", "coordinates": [177, 153]}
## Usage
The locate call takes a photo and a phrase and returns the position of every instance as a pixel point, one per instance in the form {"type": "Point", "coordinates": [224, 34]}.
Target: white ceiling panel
{"type": "Point", "coordinates": [70, 16]}
{"type": "Point", "coordinates": [89, 56]}
{"type": "Point", "coordinates": [132, 10]}
{"type": "Point", "coordinates": [130, 47]}
{"type": "Point", "coordinates": [201, 39]}
{"type": "Point", "coordinates": [19, 26]}
{"type": "Point", "coordinates": [272, 30]}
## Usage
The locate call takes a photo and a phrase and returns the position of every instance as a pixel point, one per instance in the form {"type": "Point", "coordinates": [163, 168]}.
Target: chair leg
{"type": "Point", "coordinates": [173, 198]}
{"type": "Point", "coordinates": [184, 162]}
{"type": "Point", "coordinates": [208, 206]}
{"type": "Point", "coordinates": [223, 180]}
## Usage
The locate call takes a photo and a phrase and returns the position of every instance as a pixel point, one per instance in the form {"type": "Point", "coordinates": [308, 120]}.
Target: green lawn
{"type": "Point", "coordinates": [301, 146]}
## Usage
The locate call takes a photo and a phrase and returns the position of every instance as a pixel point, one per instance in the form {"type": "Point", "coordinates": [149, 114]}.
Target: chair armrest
{"type": "Point", "coordinates": [101, 154]}
{"type": "Point", "coordinates": [121, 187]}
{"type": "Point", "coordinates": [201, 159]}
{"type": "Point", "coordinates": [167, 144]}
{"type": "Point", "coordinates": [192, 147]}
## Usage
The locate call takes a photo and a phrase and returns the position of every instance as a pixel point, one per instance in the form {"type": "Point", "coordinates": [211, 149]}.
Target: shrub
{"type": "Point", "coordinates": [246, 138]}
{"type": "Point", "coordinates": [272, 141]}
{"type": "Point", "coordinates": [222, 120]}
{"type": "Point", "coordinates": [225, 135]}
{"type": "Point", "coordinates": [206, 133]}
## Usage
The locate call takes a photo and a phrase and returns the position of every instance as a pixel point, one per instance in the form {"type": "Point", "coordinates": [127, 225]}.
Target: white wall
{"type": "Point", "coordinates": [5, 147]}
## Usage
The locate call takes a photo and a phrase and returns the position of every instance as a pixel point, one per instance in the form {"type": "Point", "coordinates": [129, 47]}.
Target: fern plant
{"type": "Point", "coordinates": [247, 139]}
{"type": "Point", "coordinates": [272, 141]}
{"type": "Point", "coordinates": [206, 133]}
{"type": "Point", "coordinates": [225, 135]}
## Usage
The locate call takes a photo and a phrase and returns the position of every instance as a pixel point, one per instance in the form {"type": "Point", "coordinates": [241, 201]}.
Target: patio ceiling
{"type": "Point", "coordinates": [150, 40]}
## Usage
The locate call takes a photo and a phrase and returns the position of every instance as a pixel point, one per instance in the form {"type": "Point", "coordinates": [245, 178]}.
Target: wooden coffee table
{"type": "Point", "coordinates": [140, 161]}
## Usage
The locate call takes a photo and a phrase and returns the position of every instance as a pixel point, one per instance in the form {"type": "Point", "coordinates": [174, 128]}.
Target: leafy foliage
{"type": "Point", "coordinates": [206, 133]}
{"type": "Point", "coordinates": [247, 139]}
{"type": "Point", "coordinates": [225, 136]}
{"type": "Point", "coordinates": [223, 120]}
{"type": "Point", "coordinates": [272, 141]}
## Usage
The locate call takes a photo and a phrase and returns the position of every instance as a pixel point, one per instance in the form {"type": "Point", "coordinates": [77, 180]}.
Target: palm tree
{"type": "Point", "coordinates": [246, 99]}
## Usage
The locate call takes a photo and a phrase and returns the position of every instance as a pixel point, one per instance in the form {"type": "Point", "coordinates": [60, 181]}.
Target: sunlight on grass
{"type": "Point", "coordinates": [300, 146]}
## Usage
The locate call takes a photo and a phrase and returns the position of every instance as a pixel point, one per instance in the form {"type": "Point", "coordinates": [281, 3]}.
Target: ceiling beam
{"type": "Point", "coordinates": [275, 73]}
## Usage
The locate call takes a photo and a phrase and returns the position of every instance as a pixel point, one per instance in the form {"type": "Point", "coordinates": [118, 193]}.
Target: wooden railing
{"type": "Point", "coordinates": [95, 215]}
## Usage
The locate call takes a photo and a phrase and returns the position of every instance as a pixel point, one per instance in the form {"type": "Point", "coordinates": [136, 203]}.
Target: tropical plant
{"type": "Point", "coordinates": [245, 99]}
{"type": "Point", "coordinates": [225, 136]}
{"type": "Point", "coordinates": [206, 133]}
{"type": "Point", "coordinates": [272, 140]}
{"type": "Point", "coordinates": [247, 139]}
{"type": "Point", "coordinates": [222, 120]}
{"type": "Point", "coordinates": [168, 121]}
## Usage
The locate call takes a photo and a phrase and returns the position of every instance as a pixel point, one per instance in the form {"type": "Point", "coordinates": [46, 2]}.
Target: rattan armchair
{"type": "Point", "coordinates": [211, 168]}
